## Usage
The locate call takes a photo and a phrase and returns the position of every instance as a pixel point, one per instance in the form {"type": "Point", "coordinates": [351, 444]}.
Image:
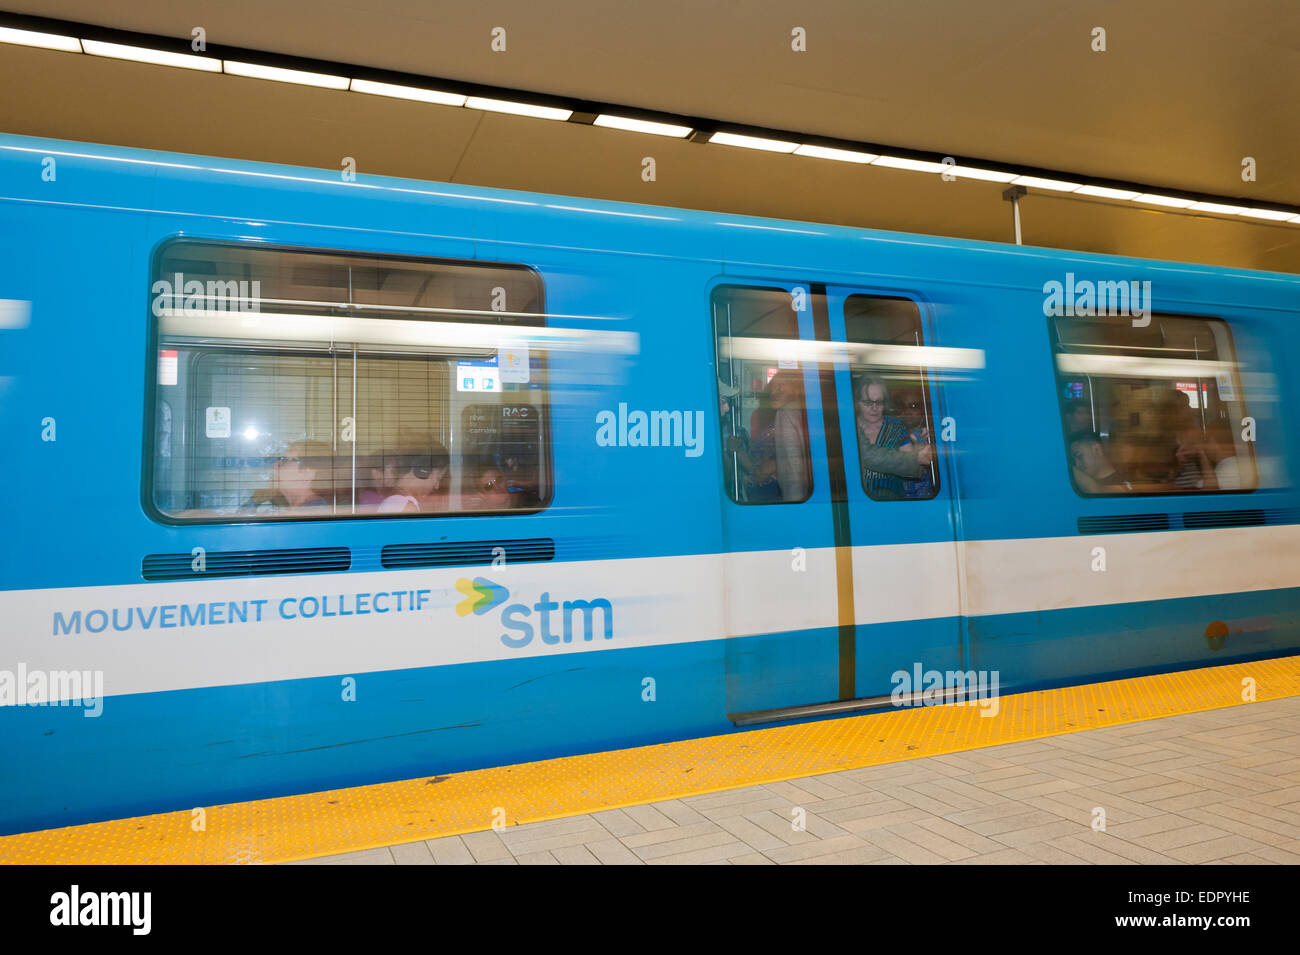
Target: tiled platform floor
{"type": "Point", "coordinates": [1221, 786]}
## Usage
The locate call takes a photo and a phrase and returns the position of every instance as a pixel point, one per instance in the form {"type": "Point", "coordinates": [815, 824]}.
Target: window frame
{"type": "Point", "coordinates": [1056, 348]}
{"type": "Point", "coordinates": [546, 464]}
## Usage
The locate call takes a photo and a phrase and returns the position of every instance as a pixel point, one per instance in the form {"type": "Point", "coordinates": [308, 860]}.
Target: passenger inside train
{"type": "Point", "coordinates": [301, 481]}
{"type": "Point", "coordinates": [878, 431]}
{"type": "Point", "coordinates": [488, 489]}
{"type": "Point", "coordinates": [782, 469]}
{"type": "Point", "coordinates": [421, 485]}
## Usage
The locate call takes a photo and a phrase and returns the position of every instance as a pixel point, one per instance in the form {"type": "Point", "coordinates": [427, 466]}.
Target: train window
{"type": "Point", "coordinates": [1154, 409]}
{"type": "Point", "coordinates": [763, 413]}
{"type": "Point", "coordinates": [300, 384]}
{"type": "Point", "coordinates": [891, 398]}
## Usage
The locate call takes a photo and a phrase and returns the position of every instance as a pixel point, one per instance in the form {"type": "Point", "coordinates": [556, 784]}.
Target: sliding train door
{"type": "Point", "coordinates": [900, 505]}
{"type": "Point", "coordinates": [781, 584]}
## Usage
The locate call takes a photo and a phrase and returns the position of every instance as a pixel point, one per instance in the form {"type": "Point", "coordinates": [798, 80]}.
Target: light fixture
{"type": "Point", "coordinates": [519, 109]}
{"type": "Point", "coordinates": [839, 155]}
{"type": "Point", "coordinates": [753, 142]}
{"type": "Point", "coordinates": [407, 92]}
{"type": "Point", "coordinates": [1156, 200]}
{"type": "Point", "coordinates": [1105, 192]}
{"type": "Point", "coordinates": [1271, 214]}
{"type": "Point", "coordinates": [48, 41]}
{"type": "Point", "coordinates": [142, 54]}
{"type": "Point", "coordinates": [70, 44]}
{"type": "Point", "coordinates": [1218, 207]}
{"type": "Point", "coordinates": [301, 77]}
{"type": "Point", "coordinates": [641, 126]}
{"type": "Point", "coordinates": [915, 165]}
{"type": "Point", "coordinates": [988, 175]}
{"type": "Point", "coordinates": [1037, 182]}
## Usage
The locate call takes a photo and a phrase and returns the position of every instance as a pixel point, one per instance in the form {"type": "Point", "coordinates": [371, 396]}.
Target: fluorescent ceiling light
{"type": "Point", "coordinates": [840, 155]}
{"type": "Point", "coordinates": [1105, 192]}
{"type": "Point", "coordinates": [915, 165]}
{"type": "Point", "coordinates": [144, 55]}
{"type": "Point", "coordinates": [1137, 366]}
{"type": "Point", "coordinates": [48, 41]}
{"type": "Point", "coordinates": [408, 92]}
{"type": "Point", "coordinates": [1218, 207]}
{"type": "Point", "coordinates": [326, 80]}
{"type": "Point", "coordinates": [1172, 201]}
{"type": "Point", "coordinates": [519, 109]}
{"type": "Point", "coordinates": [641, 126]}
{"type": "Point", "coordinates": [753, 142]}
{"type": "Point", "coordinates": [890, 356]}
{"type": "Point", "coordinates": [323, 330]}
{"type": "Point", "coordinates": [988, 175]}
{"type": "Point", "coordinates": [1268, 214]}
{"type": "Point", "coordinates": [1037, 182]}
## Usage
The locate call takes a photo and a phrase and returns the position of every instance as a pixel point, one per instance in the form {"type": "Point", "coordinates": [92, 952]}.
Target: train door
{"type": "Point", "coordinates": [899, 503]}
{"type": "Point", "coordinates": [779, 571]}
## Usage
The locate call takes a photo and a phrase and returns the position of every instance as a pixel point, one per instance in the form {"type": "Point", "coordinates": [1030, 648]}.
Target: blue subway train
{"type": "Point", "coordinates": [316, 481]}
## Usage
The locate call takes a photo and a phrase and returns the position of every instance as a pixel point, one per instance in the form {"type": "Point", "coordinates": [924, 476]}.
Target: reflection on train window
{"type": "Point", "coordinates": [303, 384]}
{"type": "Point", "coordinates": [761, 406]}
{"type": "Point", "coordinates": [1153, 410]}
{"type": "Point", "coordinates": [891, 399]}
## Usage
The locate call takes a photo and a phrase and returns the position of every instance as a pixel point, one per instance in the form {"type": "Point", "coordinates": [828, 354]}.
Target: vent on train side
{"type": "Point", "coordinates": [467, 553]}
{"type": "Point", "coordinates": [1248, 517]}
{"type": "Point", "coordinates": [1122, 523]}
{"type": "Point", "coordinates": [246, 563]}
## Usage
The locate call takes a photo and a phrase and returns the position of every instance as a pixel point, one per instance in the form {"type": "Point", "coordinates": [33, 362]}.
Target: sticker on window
{"type": "Point", "coordinates": [218, 423]}
{"type": "Point", "coordinates": [477, 376]}
{"type": "Point", "coordinates": [167, 364]}
{"type": "Point", "coordinates": [512, 362]}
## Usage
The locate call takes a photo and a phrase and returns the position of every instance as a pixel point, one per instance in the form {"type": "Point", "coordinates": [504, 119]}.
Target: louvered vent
{"type": "Point", "coordinates": [1249, 517]}
{"type": "Point", "coordinates": [246, 563]}
{"type": "Point", "coordinates": [1123, 523]}
{"type": "Point", "coordinates": [469, 553]}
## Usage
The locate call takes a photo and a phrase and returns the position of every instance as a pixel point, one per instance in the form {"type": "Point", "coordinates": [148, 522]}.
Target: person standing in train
{"type": "Point", "coordinates": [911, 411]}
{"type": "Point", "coordinates": [878, 430]}
{"type": "Point", "coordinates": [789, 435]}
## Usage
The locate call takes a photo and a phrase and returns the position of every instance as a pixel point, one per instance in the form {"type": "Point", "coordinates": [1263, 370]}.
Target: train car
{"type": "Point", "coordinates": [316, 481]}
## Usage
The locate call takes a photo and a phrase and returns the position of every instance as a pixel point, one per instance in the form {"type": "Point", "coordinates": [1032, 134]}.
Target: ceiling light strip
{"type": "Point", "coordinates": [949, 168]}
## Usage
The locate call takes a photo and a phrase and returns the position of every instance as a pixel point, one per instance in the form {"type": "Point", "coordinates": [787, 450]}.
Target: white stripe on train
{"type": "Point", "coordinates": [203, 633]}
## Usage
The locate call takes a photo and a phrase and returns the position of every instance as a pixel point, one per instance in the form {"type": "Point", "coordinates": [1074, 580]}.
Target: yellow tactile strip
{"type": "Point", "coordinates": [324, 823]}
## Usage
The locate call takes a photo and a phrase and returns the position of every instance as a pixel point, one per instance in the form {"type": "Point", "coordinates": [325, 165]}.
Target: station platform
{"type": "Point", "coordinates": [1198, 766]}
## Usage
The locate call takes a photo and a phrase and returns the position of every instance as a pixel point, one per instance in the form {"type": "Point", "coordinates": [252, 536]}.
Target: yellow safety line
{"type": "Point", "coordinates": [288, 828]}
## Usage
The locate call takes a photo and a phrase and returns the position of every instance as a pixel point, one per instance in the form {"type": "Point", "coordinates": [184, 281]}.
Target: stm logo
{"type": "Point", "coordinates": [481, 595]}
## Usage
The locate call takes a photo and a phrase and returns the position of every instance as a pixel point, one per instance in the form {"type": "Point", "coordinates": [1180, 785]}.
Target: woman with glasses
{"type": "Point", "coordinates": [878, 433]}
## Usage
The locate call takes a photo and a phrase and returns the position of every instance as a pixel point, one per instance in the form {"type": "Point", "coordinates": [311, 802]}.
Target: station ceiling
{"type": "Point", "coordinates": [1184, 92]}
